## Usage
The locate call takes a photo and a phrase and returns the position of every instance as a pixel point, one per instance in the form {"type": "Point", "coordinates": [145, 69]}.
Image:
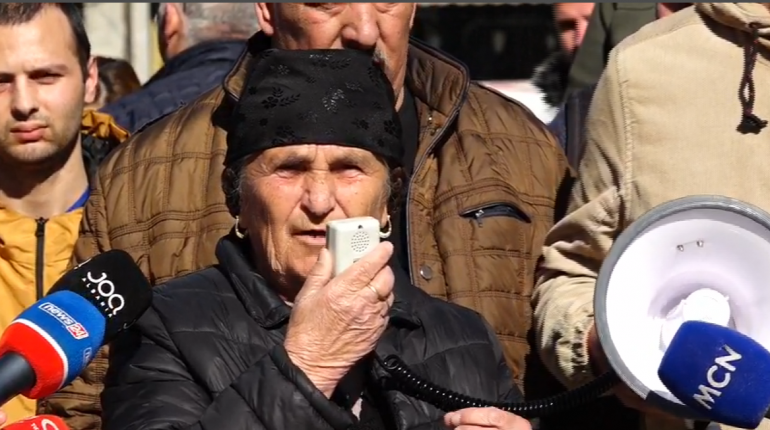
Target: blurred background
{"type": "Point", "coordinates": [501, 43]}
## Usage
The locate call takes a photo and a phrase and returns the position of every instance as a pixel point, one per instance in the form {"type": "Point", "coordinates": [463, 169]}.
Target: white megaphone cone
{"type": "Point", "coordinates": [704, 258]}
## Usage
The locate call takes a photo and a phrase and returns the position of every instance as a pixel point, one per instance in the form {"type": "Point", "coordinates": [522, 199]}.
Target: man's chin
{"type": "Point", "coordinates": [33, 153]}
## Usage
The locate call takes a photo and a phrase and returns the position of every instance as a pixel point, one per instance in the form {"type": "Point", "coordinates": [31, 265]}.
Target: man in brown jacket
{"type": "Point", "coordinates": [483, 175]}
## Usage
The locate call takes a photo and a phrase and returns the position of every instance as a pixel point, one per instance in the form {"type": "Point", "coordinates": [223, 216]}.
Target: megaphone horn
{"type": "Point", "coordinates": [703, 258]}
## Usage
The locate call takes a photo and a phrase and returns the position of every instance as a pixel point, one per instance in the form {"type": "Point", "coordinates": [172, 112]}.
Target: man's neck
{"type": "Point", "coordinates": [44, 192]}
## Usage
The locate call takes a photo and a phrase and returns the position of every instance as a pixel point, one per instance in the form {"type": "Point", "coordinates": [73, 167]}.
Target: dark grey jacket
{"type": "Point", "coordinates": [181, 81]}
{"type": "Point", "coordinates": [209, 354]}
{"type": "Point", "coordinates": [569, 124]}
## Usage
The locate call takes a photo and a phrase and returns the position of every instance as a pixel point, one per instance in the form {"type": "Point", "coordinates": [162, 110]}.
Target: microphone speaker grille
{"type": "Point", "coordinates": [359, 242]}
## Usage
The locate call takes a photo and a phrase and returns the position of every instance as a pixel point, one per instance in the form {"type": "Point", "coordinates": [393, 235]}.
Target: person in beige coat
{"type": "Point", "coordinates": [681, 109]}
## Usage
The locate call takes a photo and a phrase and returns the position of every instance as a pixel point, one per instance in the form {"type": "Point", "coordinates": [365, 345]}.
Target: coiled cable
{"type": "Point", "coordinates": [448, 400]}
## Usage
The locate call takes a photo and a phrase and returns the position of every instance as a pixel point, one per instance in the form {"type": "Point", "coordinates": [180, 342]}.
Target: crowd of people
{"type": "Point", "coordinates": [269, 120]}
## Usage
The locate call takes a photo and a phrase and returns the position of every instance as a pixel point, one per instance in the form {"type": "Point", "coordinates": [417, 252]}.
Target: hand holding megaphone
{"type": "Point", "coordinates": [601, 365]}
{"type": "Point", "coordinates": [698, 258]}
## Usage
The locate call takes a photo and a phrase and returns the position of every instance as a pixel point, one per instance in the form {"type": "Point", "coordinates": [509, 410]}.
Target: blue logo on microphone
{"type": "Point", "coordinates": [73, 327]}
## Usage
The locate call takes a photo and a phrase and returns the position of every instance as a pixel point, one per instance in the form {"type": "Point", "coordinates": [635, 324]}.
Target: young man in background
{"type": "Point", "coordinates": [47, 149]}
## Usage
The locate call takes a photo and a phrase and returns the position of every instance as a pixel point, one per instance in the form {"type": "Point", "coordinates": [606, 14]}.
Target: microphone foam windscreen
{"type": "Point", "coordinates": [58, 336]}
{"type": "Point", "coordinates": [114, 284]}
{"type": "Point", "coordinates": [719, 372]}
{"type": "Point", "coordinates": [40, 422]}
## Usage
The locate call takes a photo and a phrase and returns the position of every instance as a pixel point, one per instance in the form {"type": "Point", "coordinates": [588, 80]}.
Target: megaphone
{"type": "Point", "coordinates": [698, 258]}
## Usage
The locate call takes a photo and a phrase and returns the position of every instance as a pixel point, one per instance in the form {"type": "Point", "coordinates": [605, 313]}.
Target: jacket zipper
{"type": "Point", "coordinates": [40, 257]}
{"type": "Point", "coordinates": [480, 214]}
{"type": "Point", "coordinates": [495, 209]}
{"type": "Point", "coordinates": [437, 135]}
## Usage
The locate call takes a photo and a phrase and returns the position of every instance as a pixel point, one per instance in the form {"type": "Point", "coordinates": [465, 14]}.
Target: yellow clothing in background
{"type": "Point", "coordinates": [34, 254]}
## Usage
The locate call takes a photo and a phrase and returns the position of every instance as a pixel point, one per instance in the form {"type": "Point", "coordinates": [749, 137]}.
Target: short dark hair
{"type": "Point", "coordinates": [118, 77]}
{"type": "Point", "coordinates": [21, 13]}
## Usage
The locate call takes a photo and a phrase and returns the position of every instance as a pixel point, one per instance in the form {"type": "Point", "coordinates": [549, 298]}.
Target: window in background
{"type": "Point", "coordinates": [501, 44]}
{"type": "Point", "coordinates": [495, 41]}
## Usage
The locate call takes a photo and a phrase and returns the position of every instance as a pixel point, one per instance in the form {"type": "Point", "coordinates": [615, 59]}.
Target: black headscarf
{"type": "Point", "coordinates": [330, 96]}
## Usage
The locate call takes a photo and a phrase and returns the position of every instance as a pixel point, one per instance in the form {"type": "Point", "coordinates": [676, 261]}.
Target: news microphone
{"type": "Point", "coordinates": [51, 343]}
{"type": "Point", "coordinates": [40, 422]}
{"type": "Point", "coordinates": [720, 373]}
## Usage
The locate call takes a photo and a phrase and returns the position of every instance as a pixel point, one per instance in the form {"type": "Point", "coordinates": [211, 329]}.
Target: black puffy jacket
{"type": "Point", "coordinates": [209, 354]}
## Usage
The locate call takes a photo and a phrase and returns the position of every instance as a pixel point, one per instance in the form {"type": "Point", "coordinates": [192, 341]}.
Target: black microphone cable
{"type": "Point", "coordinates": [448, 400]}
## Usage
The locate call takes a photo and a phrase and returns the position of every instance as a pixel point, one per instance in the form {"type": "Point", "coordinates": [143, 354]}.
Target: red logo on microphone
{"type": "Point", "coordinates": [77, 331]}
{"type": "Point", "coordinates": [42, 422]}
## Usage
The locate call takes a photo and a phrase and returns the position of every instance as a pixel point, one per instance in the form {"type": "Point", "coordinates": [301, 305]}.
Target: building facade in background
{"type": "Point", "coordinates": [126, 31]}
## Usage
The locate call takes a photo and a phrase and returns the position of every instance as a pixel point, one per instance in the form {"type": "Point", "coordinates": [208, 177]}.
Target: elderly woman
{"type": "Point", "coordinates": [268, 338]}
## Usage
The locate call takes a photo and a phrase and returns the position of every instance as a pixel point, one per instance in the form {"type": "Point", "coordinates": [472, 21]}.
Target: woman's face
{"type": "Point", "coordinates": [290, 193]}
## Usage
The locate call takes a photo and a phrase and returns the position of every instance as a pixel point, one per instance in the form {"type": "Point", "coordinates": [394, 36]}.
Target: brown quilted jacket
{"type": "Point", "coordinates": [158, 197]}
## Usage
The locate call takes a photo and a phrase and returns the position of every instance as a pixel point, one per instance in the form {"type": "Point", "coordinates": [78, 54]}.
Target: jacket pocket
{"type": "Point", "coordinates": [495, 200]}
{"type": "Point", "coordinates": [485, 238]}
{"type": "Point", "coordinates": [496, 209]}
{"type": "Point", "coordinates": [485, 218]}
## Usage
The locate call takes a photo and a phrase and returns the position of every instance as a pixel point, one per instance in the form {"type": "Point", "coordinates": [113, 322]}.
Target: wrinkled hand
{"type": "Point", "coordinates": [625, 394]}
{"type": "Point", "coordinates": [336, 322]}
{"type": "Point", "coordinates": [485, 418]}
